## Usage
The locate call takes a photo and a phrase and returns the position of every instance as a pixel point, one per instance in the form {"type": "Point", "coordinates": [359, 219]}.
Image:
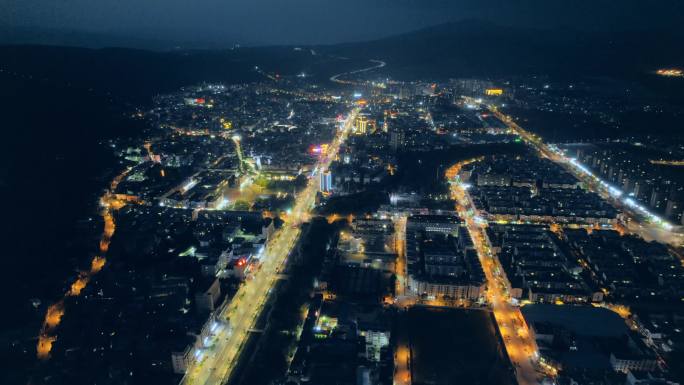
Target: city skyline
{"type": "Point", "coordinates": [434, 193]}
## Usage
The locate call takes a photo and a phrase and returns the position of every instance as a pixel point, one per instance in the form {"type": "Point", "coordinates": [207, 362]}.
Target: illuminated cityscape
{"type": "Point", "coordinates": [343, 194]}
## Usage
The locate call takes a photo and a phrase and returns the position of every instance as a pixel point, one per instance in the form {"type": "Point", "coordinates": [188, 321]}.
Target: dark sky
{"type": "Point", "coordinates": [251, 22]}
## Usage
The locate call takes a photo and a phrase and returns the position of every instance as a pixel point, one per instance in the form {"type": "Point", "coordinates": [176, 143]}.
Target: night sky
{"type": "Point", "coordinates": [220, 23]}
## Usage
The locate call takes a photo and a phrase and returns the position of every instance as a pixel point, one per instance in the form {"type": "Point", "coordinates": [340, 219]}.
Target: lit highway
{"type": "Point", "coordinates": [336, 78]}
{"type": "Point", "coordinates": [640, 220]}
{"type": "Point", "coordinates": [520, 346]}
{"type": "Point", "coordinates": [215, 363]}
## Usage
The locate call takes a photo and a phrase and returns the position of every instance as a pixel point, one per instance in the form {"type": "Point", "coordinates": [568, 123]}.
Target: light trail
{"type": "Point", "coordinates": [215, 363]}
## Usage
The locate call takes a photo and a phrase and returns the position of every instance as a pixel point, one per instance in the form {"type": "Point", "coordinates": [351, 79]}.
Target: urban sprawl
{"type": "Point", "coordinates": [342, 225]}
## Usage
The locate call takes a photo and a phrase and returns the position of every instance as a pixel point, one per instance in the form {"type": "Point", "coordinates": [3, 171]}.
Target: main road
{"type": "Point", "coordinates": [336, 78]}
{"type": "Point", "coordinates": [639, 220]}
{"type": "Point", "coordinates": [214, 363]}
{"type": "Point", "coordinates": [520, 345]}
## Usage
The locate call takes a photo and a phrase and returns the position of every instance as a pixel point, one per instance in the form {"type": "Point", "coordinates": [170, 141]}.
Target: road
{"type": "Point", "coordinates": [336, 78]}
{"type": "Point", "coordinates": [402, 352]}
{"type": "Point", "coordinates": [214, 364]}
{"type": "Point", "coordinates": [400, 247]}
{"type": "Point", "coordinates": [638, 219]}
{"type": "Point", "coordinates": [402, 364]}
{"type": "Point", "coordinates": [520, 345]}
{"type": "Point", "coordinates": [110, 202]}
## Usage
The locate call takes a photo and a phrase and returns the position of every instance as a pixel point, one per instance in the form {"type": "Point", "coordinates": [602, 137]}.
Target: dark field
{"type": "Point", "coordinates": [459, 347]}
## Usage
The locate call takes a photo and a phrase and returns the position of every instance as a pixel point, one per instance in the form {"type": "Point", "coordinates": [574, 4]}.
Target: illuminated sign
{"type": "Point", "coordinates": [493, 92]}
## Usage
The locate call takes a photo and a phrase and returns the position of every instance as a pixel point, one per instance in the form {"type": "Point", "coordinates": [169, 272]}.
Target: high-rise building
{"type": "Point", "coordinates": [325, 182]}
{"type": "Point", "coordinates": [658, 198]}
{"type": "Point", "coordinates": [372, 126]}
{"type": "Point", "coordinates": [642, 189]}
{"type": "Point", "coordinates": [407, 91]}
{"type": "Point", "coordinates": [385, 123]}
{"type": "Point", "coordinates": [673, 209]}
{"type": "Point", "coordinates": [396, 139]}
{"type": "Point", "coordinates": [361, 125]}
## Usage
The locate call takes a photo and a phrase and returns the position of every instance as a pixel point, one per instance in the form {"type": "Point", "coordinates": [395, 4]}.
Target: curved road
{"type": "Point", "coordinates": [336, 78]}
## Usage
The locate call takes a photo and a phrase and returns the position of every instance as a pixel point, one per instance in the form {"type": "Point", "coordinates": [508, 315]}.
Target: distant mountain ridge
{"type": "Point", "coordinates": [463, 49]}
{"type": "Point", "coordinates": [476, 48]}
{"type": "Point", "coordinates": [135, 75]}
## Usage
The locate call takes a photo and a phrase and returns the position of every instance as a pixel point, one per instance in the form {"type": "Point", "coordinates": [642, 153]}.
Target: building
{"type": "Point", "coordinates": [206, 300]}
{"type": "Point", "coordinates": [673, 209]}
{"type": "Point", "coordinates": [633, 362]}
{"type": "Point", "coordinates": [325, 181]}
{"type": "Point", "coordinates": [586, 338]}
{"type": "Point", "coordinates": [493, 180]}
{"type": "Point", "coordinates": [447, 288]}
{"type": "Point", "coordinates": [646, 378]}
{"type": "Point", "coordinates": [361, 125]}
{"type": "Point", "coordinates": [535, 266]}
{"type": "Point", "coordinates": [396, 139]}
{"type": "Point", "coordinates": [445, 224]}
{"type": "Point", "coordinates": [441, 260]}
{"type": "Point", "coordinates": [181, 359]}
